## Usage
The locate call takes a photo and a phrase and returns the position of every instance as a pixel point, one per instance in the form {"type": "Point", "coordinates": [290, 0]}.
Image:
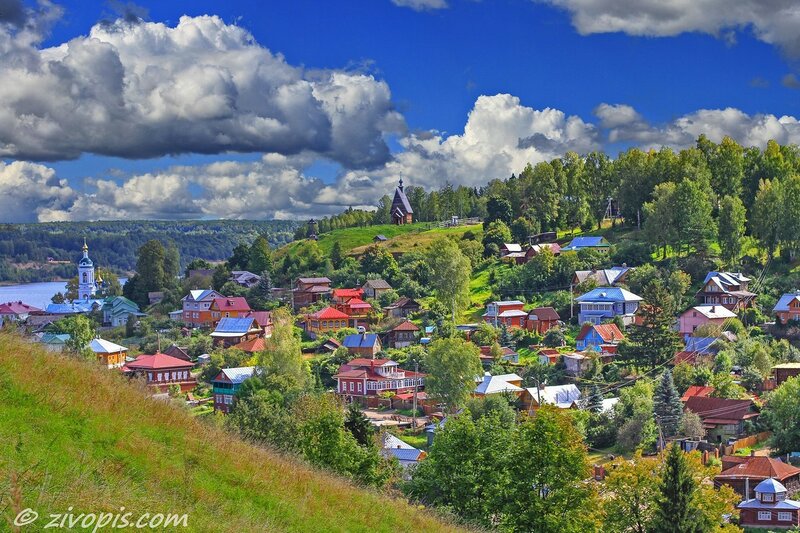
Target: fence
{"type": "Point", "coordinates": [746, 442]}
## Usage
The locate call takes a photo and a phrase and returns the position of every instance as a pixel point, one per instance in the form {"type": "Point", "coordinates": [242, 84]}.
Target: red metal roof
{"type": "Point", "coordinates": [17, 308]}
{"type": "Point", "coordinates": [760, 467]}
{"type": "Point", "coordinates": [231, 303]}
{"type": "Point", "coordinates": [607, 332]}
{"type": "Point", "coordinates": [358, 303]}
{"type": "Point", "coordinates": [696, 390]}
{"type": "Point", "coordinates": [329, 313]}
{"type": "Point", "coordinates": [406, 326]}
{"type": "Point", "coordinates": [348, 293]}
{"type": "Point", "coordinates": [253, 345]}
{"type": "Point", "coordinates": [264, 318]}
{"type": "Point", "coordinates": [720, 410]}
{"type": "Point", "coordinates": [157, 361]}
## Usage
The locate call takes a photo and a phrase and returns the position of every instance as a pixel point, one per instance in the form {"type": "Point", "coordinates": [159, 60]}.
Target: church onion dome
{"type": "Point", "coordinates": [85, 261]}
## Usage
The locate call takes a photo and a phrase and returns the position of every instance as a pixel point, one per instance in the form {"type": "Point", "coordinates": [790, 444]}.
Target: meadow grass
{"type": "Point", "coordinates": [74, 434]}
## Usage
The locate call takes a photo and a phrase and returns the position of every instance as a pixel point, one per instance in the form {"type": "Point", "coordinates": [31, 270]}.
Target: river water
{"type": "Point", "coordinates": [35, 294]}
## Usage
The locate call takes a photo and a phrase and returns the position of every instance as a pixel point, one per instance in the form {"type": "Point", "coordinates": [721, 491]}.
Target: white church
{"type": "Point", "coordinates": [87, 284]}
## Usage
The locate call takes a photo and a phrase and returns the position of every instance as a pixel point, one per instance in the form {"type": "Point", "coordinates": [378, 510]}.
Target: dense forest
{"type": "Point", "coordinates": [25, 248]}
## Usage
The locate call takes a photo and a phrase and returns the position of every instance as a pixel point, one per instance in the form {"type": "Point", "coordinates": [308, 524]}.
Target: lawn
{"type": "Point", "coordinates": [418, 240]}
{"type": "Point", "coordinates": [417, 441]}
{"type": "Point", "coordinates": [75, 435]}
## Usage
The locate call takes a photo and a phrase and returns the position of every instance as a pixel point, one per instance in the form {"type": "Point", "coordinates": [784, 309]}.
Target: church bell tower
{"type": "Point", "coordinates": [86, 284]}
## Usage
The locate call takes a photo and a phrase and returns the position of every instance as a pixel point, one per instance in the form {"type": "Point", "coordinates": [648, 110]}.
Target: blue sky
{"type": "Point", "coordinates": [422, 72]}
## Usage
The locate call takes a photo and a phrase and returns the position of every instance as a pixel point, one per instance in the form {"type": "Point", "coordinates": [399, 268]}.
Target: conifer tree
{"type": "Point", "coordinates": [337, 256]}
{"type": "Point", "coordinates": [667, 405]}
{"type": "Point", "coordinates": [676, 511]}
{"type": "Point", "coordinates": [595, 403]}
{"type": "Point", "coordinates": [505, 336]}
{"type": "Point", "coordinates": [358, 424]}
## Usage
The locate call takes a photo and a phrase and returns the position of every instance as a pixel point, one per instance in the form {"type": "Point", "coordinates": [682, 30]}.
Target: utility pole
{"type": "Point", "coordinates": [414, 413]}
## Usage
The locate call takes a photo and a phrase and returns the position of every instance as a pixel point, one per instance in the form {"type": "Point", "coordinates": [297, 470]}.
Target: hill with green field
{"type": "Point", "coordinates": [77, 437]}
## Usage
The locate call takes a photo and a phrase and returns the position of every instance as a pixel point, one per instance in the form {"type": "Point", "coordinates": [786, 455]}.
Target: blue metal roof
{"type": "Point", "coordinates": [608, 294]}
{"type": "Point", "coordinates": [786, 299]}
{"type": "Point", "coordinates": [234, 325]}
{"type": "Point", "coordinates": [359, 340]}
{"type": "Point", "coordinates": [699, 344]}
{"type": "Point", "coordinates": [405, 454]}
{"type": "Point", "coordinates": [585, 242]}
{"type": "Point", "coordinates": [239, 374]}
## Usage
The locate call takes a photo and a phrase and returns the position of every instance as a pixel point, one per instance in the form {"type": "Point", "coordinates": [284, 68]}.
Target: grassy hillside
{"type": "Point", "coordinates": [421, 239]}
{"type": "Point", "coordinates": [73, 434]}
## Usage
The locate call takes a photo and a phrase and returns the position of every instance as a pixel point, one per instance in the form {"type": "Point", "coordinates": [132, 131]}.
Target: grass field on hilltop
{"type": "Point", "coordinates": [422, 239]}
{"type": "Point", "coordinates": [75, 434]}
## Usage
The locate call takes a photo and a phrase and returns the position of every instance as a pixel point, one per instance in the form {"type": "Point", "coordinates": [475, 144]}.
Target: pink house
{"type": "Point", "coordinates": [693, 318]}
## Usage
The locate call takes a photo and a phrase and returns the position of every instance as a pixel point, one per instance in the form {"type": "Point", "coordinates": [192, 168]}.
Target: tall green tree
{"type": "Point", "coordinates": [676, 511]}
{"type": "Point", "coordinates": [544, 197]}
{"type": "Point", "coordinates": [464, 470]}
{"type": "Point", "coordinates": [766, 215]}
{"type": "Point", "coordinates": [653, 342]}
{"type": "Point", "coordinates": [732, 219]}
{"type": "Point", "coordinates": [498, 208]}
{"type": "Point", "coordinates": [667, 405]}
{"type": "Point", "coordinates": [150, 266]}
{"type": "Point", "coordinates": [81, 331]}
{"type": "Point", "coordinates": [359, 425]}
{"type": "Point", "coordinates": [547, 469]}
{"type": "Point", "coordinates": [259, 256]}
{"type": "Point", "coordinates": [782, 414]}
{"type": "Point", "coordinates": [172, 264]}
{"type": "Point", "coordinates": [494, 236]}
{"type": "Point", "coordinates": [337, 255]}
{"type": "Point", "coordinates": [450, 275]}
{"type": "Point", "coordinates": [282, 360]}
{"type": "Point", "coordinates": [727, 168]}
{"type": "Point", "coordinates": [452, 365]}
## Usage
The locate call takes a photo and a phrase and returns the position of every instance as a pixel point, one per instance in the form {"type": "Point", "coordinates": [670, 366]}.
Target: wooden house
{"type": "Point", "coordinates": [507, 312]}
{"type": "Point", "coordinates": [402, 308]}
{"type": "Point", "coordinates": [226, 384]}
{"type": "Point", "coordinates": [403, 335]}
{"type": "Point", "coordinates": [370, 377]}
{"type": "Point", "coordinates": [160, 371]}
{"type": "Point", "coordinates": [401, 208]}
{"type": "Point", "coordinates": [197, 307]}
{"type": "Point", "coordinates": [787, 308]}
{"type": "Point", "coordinates": [109, 354]}
{"type": "Point", "coordinates": [729, 289]}
{"type": "Point", "coordinates": [324, 322]}
{"type": "Point", "coordinates": [309, 290]}
{"type": "Point", "coordinates": [228, 307]}
{"type": "Point", "coordinates": [770, 508]}
{"type": "Point", "coordinates": [362, 344]}
{"type": "Point", "coordinates": [373, 288]}
{"type": "Point", "coordinates": [542, 319]}
{"type": "Point", "coordinates": [230, 331]}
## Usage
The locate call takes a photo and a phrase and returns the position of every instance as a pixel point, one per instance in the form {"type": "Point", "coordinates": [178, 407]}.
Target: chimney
{"type": "Point", "coordinates": [713, 308]}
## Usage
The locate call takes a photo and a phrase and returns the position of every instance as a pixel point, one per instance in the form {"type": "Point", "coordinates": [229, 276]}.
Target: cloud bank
{"type": "Point", "coordinates": [772, 21]}
{"type": "Point", "coordinates": [138, 89]}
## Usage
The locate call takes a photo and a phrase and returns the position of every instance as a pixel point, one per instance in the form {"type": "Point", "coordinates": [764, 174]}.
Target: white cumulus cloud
{"type": "Point", "coordinates": [772, 21]}
{"type": "Point", "coordinates": [144, 89]}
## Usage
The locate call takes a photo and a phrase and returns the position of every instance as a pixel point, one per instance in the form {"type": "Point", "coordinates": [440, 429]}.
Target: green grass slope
{"type": "Point", "coordinates": [76, 435]}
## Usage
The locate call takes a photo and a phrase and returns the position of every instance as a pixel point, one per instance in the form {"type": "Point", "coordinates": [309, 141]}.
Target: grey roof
{"type": "Point", "coordinates": [239, 374]}
{"type": "Point", "coordinates": [786, 299]}
{"type": "Point", "coordinates": [377, 284]}
{"type": "Point", "coordinates": [496, 384]}
{"type": "Point", "coordinates": [400, 199]}
{"type": "Point", "coordinates": [608, 294]}
{"type": "Point", "coordinates": [770, 486]}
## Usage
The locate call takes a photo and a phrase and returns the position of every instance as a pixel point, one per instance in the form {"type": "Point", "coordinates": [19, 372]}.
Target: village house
{"type": "Point", "coordinates": [698, 350]}
{"type": "Point", "coordinates": [109, 354]}
{"type": "Point", "coordinates": [309, 290]}
{"type": "Point", "coordinates": [197, 307]}
{"type": "Point", "coordinates": [362, 344]}
{"type": "Point", "coordinates": [576, 364]}
{"type": "Point", "coordinates": [258, 344]}
{"type": "Point", "coordinates": [604, 277]}
{"type": "Point", "coordinates": [379, 238]}
{"type": "Point", "coordinates": [787, 308]}
{"type": "Point", "coordinates": [745, 472]}
{"type": "Point", "coordinates": [604, 303]}
{"type": "Point", "coordinates": [230, 331]}
{"type": "Point", "coordinates": [562, 396]}
{"type": "Point", "coordinates": [264, 321]}
{"type": "Point", "coordinates": [401, 208]}
{"type": "Point", "coordinates": [510, 248]}
{"type": "Point", "coordinates": [16, 311]}
{"type": "Point", "coordinates": [729, 289]}
{"type": "Point", "coordinates": [587, 243]}
{"type": "Point", "coordinates": [697, 390]}
{"type": "Point", "coordinates": [179, 352]}
{"type": "Point", "coordinates": [405, 454]}
{"type": "Point", "coordinates": [548, 356]}
{"type": "Point", "coordinates": [370, 377]}
{"type": "Point", "coordinates": [699, 315]}
{"type": "Point", "coordinates": [330, 345]}
{"type": "Point", "coordinates": [542, 319]}
{"type": "Point", "coordinates": [373, 288]}
{"type": "Point", "coordinates": [160, 371]}
{"type": "Point", "coordinates": [500, 384]}
{"type": "Point", "coordinates": [324, 322]}
{"type": "Point", "coordinates": [508, 312]}
{"type": "Point", "coordinates": [54, 342]}
{"type": "Point", "coordinates": [403, 335]}
{"type": "Point", "coordinates": [784, 371]}
{"type": "Point", "coordinates": [507, 354]}
{"type": "Point", "coordinates": [402, 308]}
{"type": "Point", "coordinates": [245, 279]}
{"type": "Point", "coordinates": [723, 418]}
{"type": "Point", "coordinates": [599, 337]}
{"type": "Point", "coordinates": [226, 384]}
{"type": "Point", "coordinates": [342, 296]}
{"type": "Point", "coordinates": [117, 310]}
{"type": "Point", "coordinates": [770, 508]}
{"type": "Point", "coordinates": [536, 249]}
{"type": "Point", "coordinates": [357, 311]}
{"type": "Point", "coordinates": [228, 307]}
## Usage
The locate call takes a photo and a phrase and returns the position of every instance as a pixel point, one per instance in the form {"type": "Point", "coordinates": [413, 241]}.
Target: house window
{"type": "Point", "coordinates": [766, 497]}
{"type": "Point", "coordinates": [765, 515]}
{"type": "Point", "coordinates": [160, 376]}
{"type": "Point", "coordinates": [784, 517]}
{"type": "Point", "coordinates": [324, 323]}
{"type": "Point", "coordinates": [351, 386]}
{"type": "Point", "coordinates": [359, 387]}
